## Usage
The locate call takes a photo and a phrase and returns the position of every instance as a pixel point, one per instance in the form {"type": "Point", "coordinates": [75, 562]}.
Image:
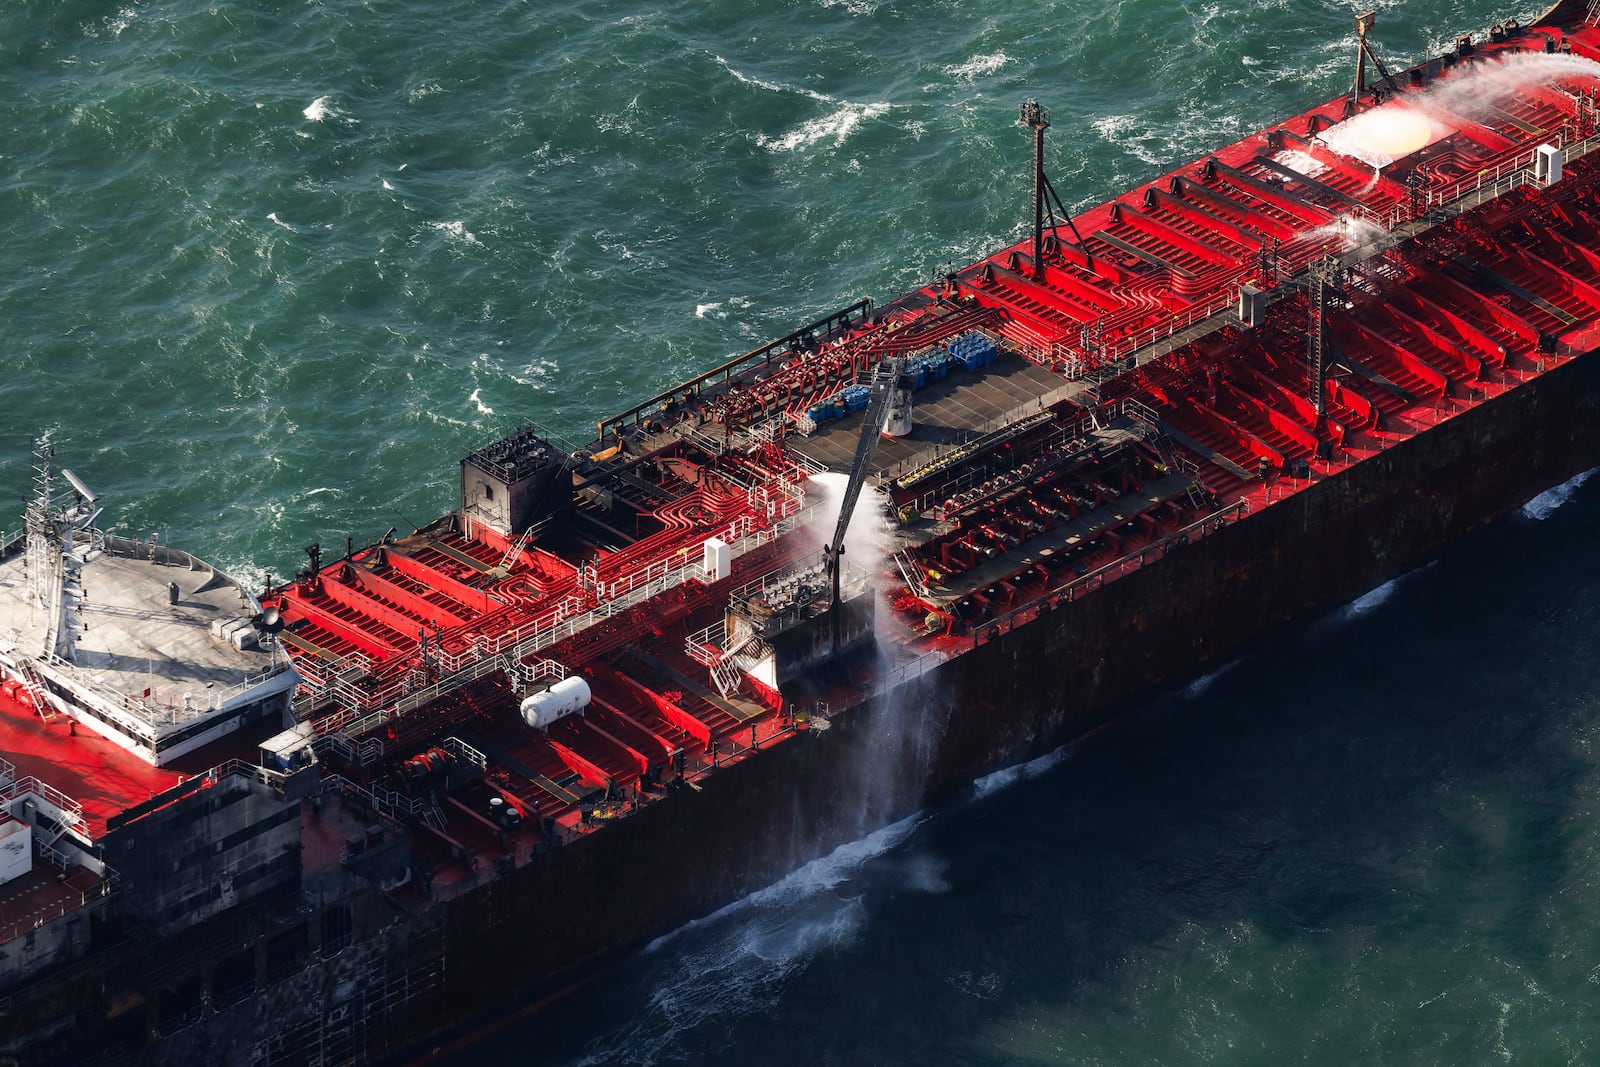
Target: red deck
{"type": "Point", "coordinates": [105, 778]}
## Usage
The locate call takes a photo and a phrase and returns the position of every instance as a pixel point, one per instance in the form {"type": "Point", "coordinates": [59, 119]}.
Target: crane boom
{"type": "Point", "coordinates": [884, 376]}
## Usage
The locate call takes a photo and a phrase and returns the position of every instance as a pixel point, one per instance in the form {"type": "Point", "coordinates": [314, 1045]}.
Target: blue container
{"type": "Point", "coordinates": [973, 350]}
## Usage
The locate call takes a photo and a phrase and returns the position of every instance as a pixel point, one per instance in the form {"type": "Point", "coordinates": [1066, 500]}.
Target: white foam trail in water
{"type": "Point", "coordinates": [818, 876]}
{"type": "Point", "coordinates": [776, 87]}
{"type": "Point", "coordinates": [1370, 601]}
{"type": "Point", "coordinates": [839, 124]}
{"type": "Point", "coordinates": [1205, 681]}
{"type": "Point", "coordinates": [735, 962]}
{"type": "Point", "coordinates": [1541, 506]}
{"type": "Point", "coordinates": [1009, 776]}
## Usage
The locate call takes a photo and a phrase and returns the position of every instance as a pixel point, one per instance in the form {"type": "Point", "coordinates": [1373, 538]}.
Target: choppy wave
{"type": "Point", "coordinates": [323, 109]}
{"type": "Point", "coordinates": [978, 66]}
{"type": "Point", "coordinates": [837, 126]}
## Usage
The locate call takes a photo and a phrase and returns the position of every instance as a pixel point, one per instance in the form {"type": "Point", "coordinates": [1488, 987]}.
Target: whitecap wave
{"type": "Point", "coordinates": [475, 398]}
{"type": "Point", "coordinates": [121, 20]}
{"type": "Point", "coordinates": [324, 111]}
{"type": "Point", "coordinates": [1541, 506]}
{"type": "Point", "coordinates": [845, 118]}
{"type": "Point", "coordinates": [1162, 144]}
{"type": "Point", "coordinates": [537, 373]}
{"type": "Point", "coordinates": [855, 7]}
{"type": "Point", "coordinates": [456, 231]}
{"type": "Point", "coordinates": [837, 126]}
{"type": "Point", "coordinates": [982, 986]}
{"type": "Point", "coordinates": [978, 66]}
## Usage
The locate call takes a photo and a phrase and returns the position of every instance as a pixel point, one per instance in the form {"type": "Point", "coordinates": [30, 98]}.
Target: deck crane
{"type": "Point", "coordinates": [885, 378]}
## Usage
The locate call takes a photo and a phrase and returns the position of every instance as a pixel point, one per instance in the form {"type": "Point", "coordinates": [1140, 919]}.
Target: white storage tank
{"type": "Point", "coordinates": [567, 697]}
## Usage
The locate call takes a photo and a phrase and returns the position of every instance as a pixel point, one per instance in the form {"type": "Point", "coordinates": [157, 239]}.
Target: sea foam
{"type": "Point", "coordinates": [1541, 506]}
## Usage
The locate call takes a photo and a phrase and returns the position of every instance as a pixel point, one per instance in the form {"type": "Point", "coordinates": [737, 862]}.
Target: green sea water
{"type": "Point", "coordinates": [267, 270]}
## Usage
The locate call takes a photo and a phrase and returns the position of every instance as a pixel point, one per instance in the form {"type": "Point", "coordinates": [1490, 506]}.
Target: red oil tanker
{"type": "Point", "coordinates": [612, 690]}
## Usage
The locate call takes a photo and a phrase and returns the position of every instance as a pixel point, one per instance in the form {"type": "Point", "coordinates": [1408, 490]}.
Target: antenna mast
{"type": "Point", "coordinates": [43, 537]}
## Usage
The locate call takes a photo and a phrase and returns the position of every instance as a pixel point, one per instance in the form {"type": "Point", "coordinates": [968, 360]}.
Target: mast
{"type": "Point", "coordinates": [43, 537]}
{"type": "Point", "coordinates": [1036, 117]}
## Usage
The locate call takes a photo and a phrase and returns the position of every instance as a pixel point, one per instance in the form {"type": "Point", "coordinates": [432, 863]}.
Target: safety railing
{"type": "Point", "coordinates": [1095, 579]}
{"type": "Point", "coordinates": [20, 788]}
{"type": "Point", "coordinates": [363, 705]}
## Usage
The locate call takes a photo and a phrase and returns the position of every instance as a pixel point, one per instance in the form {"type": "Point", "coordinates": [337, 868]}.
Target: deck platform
{"type": "Point", "coordinates": [952, 411]}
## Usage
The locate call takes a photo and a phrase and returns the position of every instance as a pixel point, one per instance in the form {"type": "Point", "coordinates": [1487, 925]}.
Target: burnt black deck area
{"type": "Point", "coordinates": [961, 406]}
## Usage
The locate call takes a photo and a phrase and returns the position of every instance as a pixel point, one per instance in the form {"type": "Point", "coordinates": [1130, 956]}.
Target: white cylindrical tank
{"type": "Point", "coordinates": [567, 697]}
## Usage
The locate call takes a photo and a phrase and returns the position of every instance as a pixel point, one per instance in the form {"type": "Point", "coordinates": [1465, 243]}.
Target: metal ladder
{"type": "Point", "coordinates": [48, 850]}
{"type": "Point", "coordinates": [35, 687]}
{"type": "Point", "coordinates": [912, 572]}
{"type": "Point", "coordinates": [728, 676]}
{"type": "Point", "coordinates": [431, 814]}
{"type": "Point", "coordinates": [514, 553]}
{"type": "Point", "coordinates": [1176, 463]}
